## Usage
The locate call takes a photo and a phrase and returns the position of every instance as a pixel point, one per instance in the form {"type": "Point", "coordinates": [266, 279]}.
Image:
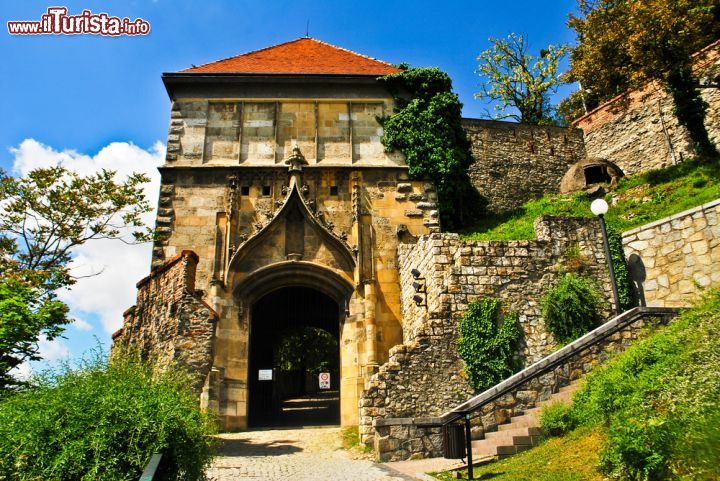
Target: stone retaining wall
{"type": "Point", "coordinates": [638, 130]}
{"type": "Point", "coordinates": [424, 375]}
{"type": "Point", "coordinates": [673, 259]}
{"type": "Point", "coordinates": [403, 438]}
{"type": "Point", "coordinates": [514, 163]}
{"type": "Point", "coordinates": [170, 323]}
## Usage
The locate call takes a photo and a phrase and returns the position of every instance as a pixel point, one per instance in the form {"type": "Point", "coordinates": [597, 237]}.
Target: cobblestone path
{"type": "Point", "coordinates": [292, 454]}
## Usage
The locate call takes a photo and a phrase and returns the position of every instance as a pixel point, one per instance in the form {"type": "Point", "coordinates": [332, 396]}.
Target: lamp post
{"type": "Point", "coordinates": [599, 207]}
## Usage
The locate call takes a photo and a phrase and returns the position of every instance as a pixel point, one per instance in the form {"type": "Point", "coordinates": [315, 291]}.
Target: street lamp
{"type": "Point", "coordinates": [599, 207]}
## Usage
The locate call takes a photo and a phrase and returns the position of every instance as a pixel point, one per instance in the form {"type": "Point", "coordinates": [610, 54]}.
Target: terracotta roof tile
{"type": "Point", "coordinates": [301, 56]}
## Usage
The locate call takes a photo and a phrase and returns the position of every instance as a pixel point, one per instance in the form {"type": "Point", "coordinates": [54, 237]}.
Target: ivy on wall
{"type": "Point", "coordinates": [426, 128]}
{"type": "Point", "coordinates": [622, 275]}
{"type": "Point", "coordinates": [488, 343]}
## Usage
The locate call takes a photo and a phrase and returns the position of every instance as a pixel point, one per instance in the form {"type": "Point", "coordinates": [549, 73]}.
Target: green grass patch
{"type": "Point", "coordinates": [571, 458]}
{"type": "Point", "coordinates": [638, 200]}
{"type": "Point", "coordinates": [351, 440]}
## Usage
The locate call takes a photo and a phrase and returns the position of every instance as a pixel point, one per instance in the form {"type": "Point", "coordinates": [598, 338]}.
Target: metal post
{"type": "Point", "coordinates": [618, 309]}
{"type": "Point", "coordinates": [468, 443]}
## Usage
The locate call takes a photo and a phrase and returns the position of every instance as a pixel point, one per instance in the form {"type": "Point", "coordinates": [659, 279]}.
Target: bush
{"type": "Point", "coordinates": [571, 308]}
{"type": "Point", "coordinates": [103, 421]}
{"type": "Point", "coordinates": [660, 401]}
{"type": "Point", "coordinates": [488, 344]}
{"type": "Point", "coordinates": [556, 419]}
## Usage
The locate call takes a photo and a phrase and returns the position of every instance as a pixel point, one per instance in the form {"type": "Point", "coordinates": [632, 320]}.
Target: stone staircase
{"type": "Point", "coordinates": [521, 432]}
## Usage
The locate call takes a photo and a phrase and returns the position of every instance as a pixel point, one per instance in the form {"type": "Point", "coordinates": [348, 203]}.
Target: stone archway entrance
{"type": "Point", "coordinates": [294, 335]}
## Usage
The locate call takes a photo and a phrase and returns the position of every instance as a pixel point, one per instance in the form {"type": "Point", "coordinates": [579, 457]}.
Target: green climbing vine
{"type": "Point", "coordinates": [622, 275]}
{"type": "Point", "coordinates": [426, 127]}
{"type": "Point", "coordinates": [488, 343]}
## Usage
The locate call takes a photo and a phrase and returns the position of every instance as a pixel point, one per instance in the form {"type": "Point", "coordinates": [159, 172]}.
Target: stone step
{"type": "Point", "coordinates": [531, 419]}
{"type": "Point", "coordinates": [522, 432]}
{"type": "Point", "coordinates": [509, 434]}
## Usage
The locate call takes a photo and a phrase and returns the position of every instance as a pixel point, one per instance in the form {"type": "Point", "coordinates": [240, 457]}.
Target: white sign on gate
{"type": "Point", "coordinates": [324, 378]}
{"type": "Point", "coordinates": [265, 375]}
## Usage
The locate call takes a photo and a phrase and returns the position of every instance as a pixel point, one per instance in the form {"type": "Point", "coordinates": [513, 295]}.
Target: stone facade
{"type": "Point", "coordinates": [280, 181]}
{"type": "Point", "coordinates": [170, 323]}
{"type": "Point", "coordinates": [513, 163]}
{"type": "Point", "coordinates": [423, 376]}
{"type": "Point", "coordinates": [282, 184]}
{"type": "Point", "coordinates": [639, 132]}
{"type": "Point", "coordinates": [673, 259]}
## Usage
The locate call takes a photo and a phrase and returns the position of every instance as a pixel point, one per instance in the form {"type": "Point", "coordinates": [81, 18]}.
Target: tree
{"type": "Point", "coordinates": [624, 44]}
{"type": "Point", "coordinates": [518, 83]}
{"type": "Point", "coordinates": [43, 217]}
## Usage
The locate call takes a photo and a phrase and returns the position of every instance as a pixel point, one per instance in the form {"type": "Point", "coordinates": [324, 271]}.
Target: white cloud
{"type": "Point", "coordinates": [55, 350]}
{"type": "Point", "coordinates": [81, 325]}
{"type": "Point", "coordinates": [119, 265]}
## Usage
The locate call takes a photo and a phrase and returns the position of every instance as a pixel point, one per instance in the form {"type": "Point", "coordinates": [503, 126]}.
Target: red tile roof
{"type": "Point", "coordinates": [302, 56]}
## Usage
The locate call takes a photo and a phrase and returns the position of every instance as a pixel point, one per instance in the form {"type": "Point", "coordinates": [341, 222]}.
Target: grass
{"type": "Point", "coordinates": [637, 200]}
{"type": "Point", "coordinates": [650, 413]}
{"type": "Point", "coordinates": [351, 440]}
{"type": "Point", "coordinates": [571, 458]}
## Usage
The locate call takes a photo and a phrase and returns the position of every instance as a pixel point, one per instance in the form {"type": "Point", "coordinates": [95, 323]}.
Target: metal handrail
{"type": "Point", "coordinates": [152, 468]}
{"type": "Point", "coordinates": [553, 360]}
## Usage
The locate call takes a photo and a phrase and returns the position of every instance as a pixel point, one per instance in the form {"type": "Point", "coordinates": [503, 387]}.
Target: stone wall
{"type": "Point", "coordinates": [673, 259]}
{"type": "Point", "coordinates": [412, 437]}
{"type": "Point", "coordinates": [639, 132]}
{"type": "Point", "coordinates": [514, 163]}
{"type": "Point", "coordinates": [456, 273]}
{"type": "Point", "coordinates": [170, 323]}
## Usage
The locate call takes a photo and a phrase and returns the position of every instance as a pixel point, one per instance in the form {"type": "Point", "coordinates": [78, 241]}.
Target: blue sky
{"type": "Point", "coordinates": [78, 95]}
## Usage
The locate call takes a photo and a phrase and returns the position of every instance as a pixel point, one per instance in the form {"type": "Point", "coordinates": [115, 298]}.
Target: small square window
{"type": "Point", "coordinates": [333, 190]}
{"type": "Point", "coordinates": [266, 191]}
{"type": "Point", "coordinates": [245, 190]}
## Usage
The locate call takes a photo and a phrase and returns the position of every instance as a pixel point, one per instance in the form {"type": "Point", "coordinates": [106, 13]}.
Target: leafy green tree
{"type": "Point", "coordinates": [488, 343]}
{"type": "Point", "coordinates": [24, 315]}
{"type": "Point", "coordinates": [623, 44]}
{"type": "Point", "coordinates": [43, 217]}
{"type": "Point", "coordinates": [518, 83]}
{"type": "Point", "coordinates": [306, 349]}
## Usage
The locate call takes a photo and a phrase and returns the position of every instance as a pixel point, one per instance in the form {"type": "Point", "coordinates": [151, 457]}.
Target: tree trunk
{"type": "Point", "coordinates": [690, 110]}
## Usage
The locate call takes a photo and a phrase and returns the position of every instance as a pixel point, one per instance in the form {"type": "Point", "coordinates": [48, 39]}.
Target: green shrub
{"type": "Point", "coordinates": [571, 308]}
{"type": "Point", "coordinates": [556, 419]}
{"type": "Point", "coordinates": [103, 422]}
{"type": "Point", "coordinates": [659, 401]}
{"type": "Point", "coordinates": [488, 343]}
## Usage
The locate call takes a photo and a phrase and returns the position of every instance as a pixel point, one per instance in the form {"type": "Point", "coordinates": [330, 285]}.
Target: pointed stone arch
{"type": "Point", "coordinates": [289, 227]}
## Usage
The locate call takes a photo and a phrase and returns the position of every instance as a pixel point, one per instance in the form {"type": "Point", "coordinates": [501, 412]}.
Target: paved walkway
{"type": "Point", "coordinates": [294, 455]}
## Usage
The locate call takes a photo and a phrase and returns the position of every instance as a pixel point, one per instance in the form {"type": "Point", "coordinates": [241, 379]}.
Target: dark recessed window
{"type": "Point", "coordinates": [266, 191]}
{"type": "Point", "coordinates": [245, 190]}
{"type": "Point", "coordinates": [333, 190]}
{"type": "Point", "coordinates": [596, 174]}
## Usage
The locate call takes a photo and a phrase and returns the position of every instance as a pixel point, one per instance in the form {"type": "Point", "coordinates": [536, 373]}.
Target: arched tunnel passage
{"type": "Point", "coordinates": [294, 336]}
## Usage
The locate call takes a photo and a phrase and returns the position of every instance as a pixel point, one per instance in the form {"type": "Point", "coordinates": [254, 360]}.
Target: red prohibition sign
{"type": "Point", "coordinates": [324, 376]}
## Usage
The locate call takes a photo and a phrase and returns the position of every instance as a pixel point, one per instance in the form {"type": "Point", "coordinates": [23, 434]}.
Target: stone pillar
{"type": "Point", "coordinates": [371, 364]}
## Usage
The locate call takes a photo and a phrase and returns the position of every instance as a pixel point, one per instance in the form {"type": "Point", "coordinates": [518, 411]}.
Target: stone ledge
{"type": "Point", "coordinates": [424, 422]}
{"type": "Point", "coordinates": [168, 264]}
